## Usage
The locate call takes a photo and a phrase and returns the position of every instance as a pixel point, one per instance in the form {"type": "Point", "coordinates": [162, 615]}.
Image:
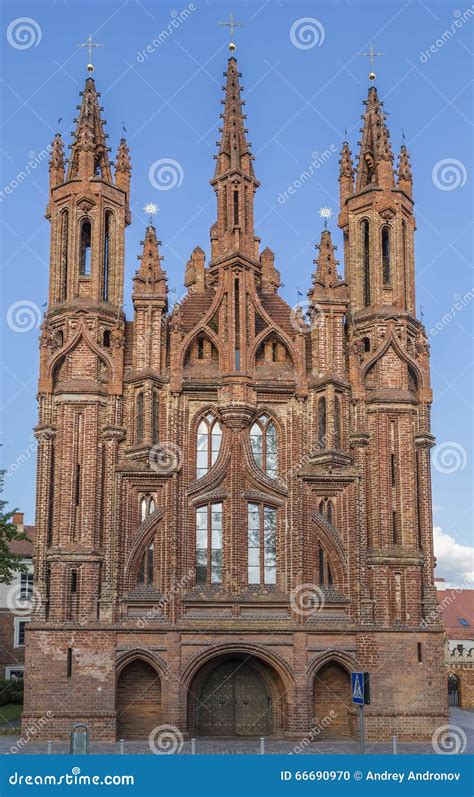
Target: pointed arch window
{"type": "Point", "coordinates": [365, 233]}
{"type": "Point", "coordinates": [155, 417]}
{"type": "Point", "coordinates": [85, 249]}
{"type": "Point", "coordinates": [64, 256]}
{"type": "Point", "coordinates": [325, 572]}
{"type": "Point", "coordinates": [322, 422]}
{"type": "Point", "coordinates": [147, 507]}
{"type": "Point", "coordinates": [209, 438]}
{"type": "Point", "coordinates": [386, 268]}
{"type": "Point", "coordinates": [264, 445]}
{"type": "Point", "coordinates": [139, 418]}
{"type": "Point", "coordinates": [108, 228]}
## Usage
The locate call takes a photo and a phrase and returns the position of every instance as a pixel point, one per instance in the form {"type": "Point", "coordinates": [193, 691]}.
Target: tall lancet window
{"type": "Point", "coordinates": [108, 227]}
{"type": "Point", "coordinates": [386, 270]}
{"type": "Point", "coordinates": [85, 249]}
{"type": "Point", "coordinates": [365, 232]}
{"type": "Point", "coordinates": [63, 264]}
{"type": "Point", "coordinates": [337, 422]}
{"type": "Point", "coordinates": [264, 444]}
{"type": "Point", "coordinates": [209, 438]}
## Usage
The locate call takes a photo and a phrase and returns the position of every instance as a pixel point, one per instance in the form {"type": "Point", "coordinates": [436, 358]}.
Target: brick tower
{"type": "Point", "coordinates": [233, 499]}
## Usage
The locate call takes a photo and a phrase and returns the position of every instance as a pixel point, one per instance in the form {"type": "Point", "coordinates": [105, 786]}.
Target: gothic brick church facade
{"type": "Point", "coordinates": [233, 496]}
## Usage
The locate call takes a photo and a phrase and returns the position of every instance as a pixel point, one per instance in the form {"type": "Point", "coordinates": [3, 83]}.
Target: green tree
{"type": "Point", "coordinates": [10, 563]}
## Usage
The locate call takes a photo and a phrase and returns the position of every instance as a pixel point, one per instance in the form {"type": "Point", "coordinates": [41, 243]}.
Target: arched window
{"type": "Point", "coordinates": [321, 508]}
{"type": "Point", "coordinates": [325, 573]}
{"type": "Point", "coordinates": [366, 342]}
{"type": "Point", "coordinates": [108, 227]}
{"type": "Point", "coordinates": [143, 509]}
{"type": "Point", "coordinates": [85, 249]}
{"type": "Point", "coordinates": [322, 422]}
{"type": "Point", "coordinates": [365, 232]}
{"type": "Point", "coordinates": [155, 417]}
{"type": "Point", "coordinates": [264, 444]}
{"type": "Point", "coordinates": [63, 265]}
{"type": "Point", "coordinates": [139, 418]}
{"type": "Point", "coordinates": [329, 511]}
{"type": "Point", "coordinates": [209, 438]}
{"type": "Point", "coordinates": [106, 338]}
{"type": "Point", "coordinates": [337, 422]}
{"type": "Point", "coordinates": [386, 271]}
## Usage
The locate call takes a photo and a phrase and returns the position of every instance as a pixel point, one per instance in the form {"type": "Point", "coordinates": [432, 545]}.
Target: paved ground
{"type": "Point", "coordinates": [461, 724]}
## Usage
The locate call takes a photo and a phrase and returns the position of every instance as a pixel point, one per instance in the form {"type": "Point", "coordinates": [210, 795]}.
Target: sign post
{"type": "Point", "coordinates": [360, 688]}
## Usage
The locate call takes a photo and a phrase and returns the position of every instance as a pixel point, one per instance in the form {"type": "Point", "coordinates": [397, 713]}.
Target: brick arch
{"type": "Point", "coordinates": [138, 696]}
{"type": "Point", "coordinates": [261, 338]}
{"type": "Point", "coordinates": [392, 340]}
{"type": "Point", "coordinates": [202, 330]}
{"type": "Point", "coordinates": [334, 549]}
{"type": "Point", "coordinates": [265, 669]}
{"type": "Point", "coordinates": [145, 533]}
{"type": "Point", "coordinates": [331, 694]}
{"type": "Point", "coordinates": [59, 356]}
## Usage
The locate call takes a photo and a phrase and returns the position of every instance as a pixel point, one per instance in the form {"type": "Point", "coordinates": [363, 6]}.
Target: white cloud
{"type": "Point", "coordinates": [455, 562]}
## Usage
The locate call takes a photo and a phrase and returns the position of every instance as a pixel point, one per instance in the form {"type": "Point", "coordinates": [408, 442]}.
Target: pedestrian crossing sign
{"type": "Point", "coordinates": [357, 684]}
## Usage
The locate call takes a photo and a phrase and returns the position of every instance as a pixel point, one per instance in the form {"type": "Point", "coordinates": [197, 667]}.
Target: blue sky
{"type": "Point", "coordinates": [302, 92]}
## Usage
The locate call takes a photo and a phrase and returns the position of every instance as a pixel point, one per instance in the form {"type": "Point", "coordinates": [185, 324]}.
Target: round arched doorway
{"type": "Point", "coordinates": [138, 700]}
{"type": "Point", "coordinates": [332, 700]}
{"type": "Point", "coordinates": [236, 695]}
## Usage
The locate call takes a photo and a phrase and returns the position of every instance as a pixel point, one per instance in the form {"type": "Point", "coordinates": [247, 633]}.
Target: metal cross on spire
{"type": "Point", "coordinates": [372, 55]}
{"type": "Point", "coordinates": [232, 25]}
{"type": "Point", "coordinates": [90, 44]}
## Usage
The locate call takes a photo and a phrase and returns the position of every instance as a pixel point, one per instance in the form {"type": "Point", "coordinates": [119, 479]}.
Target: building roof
{"type": "Point", "coordinates": [24, 547]}
{"type": "Point", "coordinates": [457, 605]}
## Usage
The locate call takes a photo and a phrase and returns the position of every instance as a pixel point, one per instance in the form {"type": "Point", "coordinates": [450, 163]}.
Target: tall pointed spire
{"type": "Point", "coordinates": [326, 275]}
{"type": "Point", "coordinates": [234, 149]}
{"type": "Point", "coordinates": [375, 167]}
{"type": "Point", "coordinates": [150, 280]}
{"type": "Point", "coordinates": [56, 162]}
{"type": "Point", "coordinates": [346, 174]}
{"type": "Point", "coordinates": [405, 175]}
{"type": "Point", "coordinates": [89, 152]}
{"type": "Point", "coordinates": [234, 178]}
{"type": "Point", "coordinates": [123, 165]}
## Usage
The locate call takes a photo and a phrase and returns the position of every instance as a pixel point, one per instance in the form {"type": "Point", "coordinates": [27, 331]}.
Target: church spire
{"type": "Point", "coordinates": [404, 176]}
{"type": "Point", "coordinates": [346, 174]}
{"type": "Point", "coordinates": [375, 167]}
{"type": "Point", "coordinates": [150, 279]}
{"type": "Point", "coordinates": [89, 152]}
{"type": "Point", "coordinates": [234, 178]}
{"type": "Point", "coordinates": [56, 162]}
{"type": "Point", "coordinates": [326, 275]}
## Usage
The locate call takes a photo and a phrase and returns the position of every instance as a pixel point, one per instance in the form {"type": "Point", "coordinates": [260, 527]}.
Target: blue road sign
{"type": "Point", "coordinates": [357, 688]}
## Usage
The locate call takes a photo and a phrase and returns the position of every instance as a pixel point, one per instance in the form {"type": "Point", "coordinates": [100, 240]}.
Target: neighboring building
{"type": "Point", "coordinates": [233, 505]}
{"type": "Point", "coordinates": [17, 594]}
{"type": "Point", "coordinates": [456, 607]}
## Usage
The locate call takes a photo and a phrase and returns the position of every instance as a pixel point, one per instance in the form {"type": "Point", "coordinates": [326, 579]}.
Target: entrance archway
{"type": "Point", "coordinates": [138, 700]}
{"type": "Point", "coordinates": [453, 690]}
{"type": "Point", "coordinates": [236, 695]}
{"type": "Point", "coordinates": [332, 700]}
